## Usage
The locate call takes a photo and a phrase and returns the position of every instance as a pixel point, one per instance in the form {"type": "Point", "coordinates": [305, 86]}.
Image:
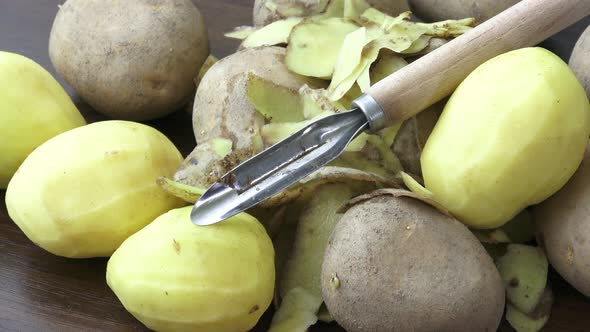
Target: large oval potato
{"type": "Point", "coordinates": [82, 193]}
{"type": "Point", "coordinates": [133, 59]}
{"type": "Point", "coordinates": [481, 10]}
{"type": "Point", "coordinates": [397, 264]}
{"type": "Point", "coordinates": [502, 144]}
{"type": "Point", "coordinates": [563, 228]}
{"type": "Point", "coordinates": [33, 109]}
{"type": "Point", "coordinates": [580, 60]}
{"type": "Point", "coordinates": [175, 276]}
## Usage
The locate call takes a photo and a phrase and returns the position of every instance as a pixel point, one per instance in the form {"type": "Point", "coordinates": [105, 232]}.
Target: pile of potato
{"type": "Point", "coordinates": [446, 222]}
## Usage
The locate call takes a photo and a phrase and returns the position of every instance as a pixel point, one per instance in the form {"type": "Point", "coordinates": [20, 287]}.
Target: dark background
{"type": "Point", "coordinates": [42, 292]}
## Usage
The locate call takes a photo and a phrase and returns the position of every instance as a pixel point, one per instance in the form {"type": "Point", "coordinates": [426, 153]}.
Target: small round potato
{"type": "Point", "coordinates": [397, 264]}
{"type": "Point", "coordinates": [132, 59]}
{"type": "Point", "coordinates": [437, 10]}
{"type": "Point", "coordinates": [563, 228]}
{"type": "Point", "coordinates": [580, 60]}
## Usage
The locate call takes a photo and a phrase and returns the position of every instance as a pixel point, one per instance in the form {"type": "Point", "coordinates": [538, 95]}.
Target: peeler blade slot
{"type": "Point", "coordinates": [276, 168]}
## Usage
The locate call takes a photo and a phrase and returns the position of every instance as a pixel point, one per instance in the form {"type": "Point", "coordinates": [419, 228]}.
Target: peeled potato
{"type": "Point", "coordinates": [82, 193]}
{"type": "Point", "coordinates": [175, 276]}
{"type": "Point", "coordinates": [501, 145]}
{"type": "Point", "coordinates": [33, 109]}
{"type": "Point", "coordinates": [132, 59]}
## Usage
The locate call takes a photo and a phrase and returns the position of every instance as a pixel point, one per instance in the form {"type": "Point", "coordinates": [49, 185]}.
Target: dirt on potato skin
{"type": "Point", "coordinates": [403, 266]}
{"type": "Point", "coordinates": [132, 69]}
{"type": "Point", "coordinates": [562, 228]}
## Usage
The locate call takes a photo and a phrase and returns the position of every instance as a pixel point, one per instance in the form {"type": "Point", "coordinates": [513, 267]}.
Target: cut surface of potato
{"type": "Point", "coordinates": [276, 103]}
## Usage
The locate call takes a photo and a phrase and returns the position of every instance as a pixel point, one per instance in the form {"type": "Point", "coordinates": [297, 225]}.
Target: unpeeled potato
{"type": "Point", "coordinates": [132, 59]}
{"type": "Point", "coordinates": [393, 263]}
{"type": "Point", "coordinates": [268, 11]}
{"type": "Point", "coordinates": [175, 276]}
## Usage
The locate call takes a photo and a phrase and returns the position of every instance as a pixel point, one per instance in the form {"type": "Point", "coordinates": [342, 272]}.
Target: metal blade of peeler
{"type": "Point", "coordinates": [279, 166]}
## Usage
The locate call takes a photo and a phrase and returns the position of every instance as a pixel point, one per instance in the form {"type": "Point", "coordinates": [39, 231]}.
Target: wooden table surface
{"type": "Point", "coordinates": [42, 292]}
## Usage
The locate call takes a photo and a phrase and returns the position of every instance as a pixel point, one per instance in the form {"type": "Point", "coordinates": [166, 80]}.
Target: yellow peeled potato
{"type": "Point", "coordinates": [512, 134]}
{"type": "Point", "coordinates": [33, 109]}
{"type": "Point", "coordinates": [175, 276]}
{"type": "Point", "coordinates": [82, 193]}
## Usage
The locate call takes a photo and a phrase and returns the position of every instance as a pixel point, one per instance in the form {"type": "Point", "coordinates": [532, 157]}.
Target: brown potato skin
{"type": "Point", "coordinates": [404, 266]}
{"type": "Point", "coordinates": [563, 228]}
{"type": "Point", "coordinates": [134, 59]}
{"type": "Point", "coordinates": [580, 60]}
{"type": "Point", "coordinates": [440, 10]}
{"type": "Point", "coordinates": [262, 16]}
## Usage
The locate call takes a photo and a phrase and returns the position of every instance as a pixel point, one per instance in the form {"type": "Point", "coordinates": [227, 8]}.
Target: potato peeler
{"type": "Point", "coordinates": [392, 100]}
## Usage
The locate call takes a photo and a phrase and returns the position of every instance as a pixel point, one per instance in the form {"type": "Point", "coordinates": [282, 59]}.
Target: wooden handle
{"type": "Point", "coordinates": [437, 74]}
